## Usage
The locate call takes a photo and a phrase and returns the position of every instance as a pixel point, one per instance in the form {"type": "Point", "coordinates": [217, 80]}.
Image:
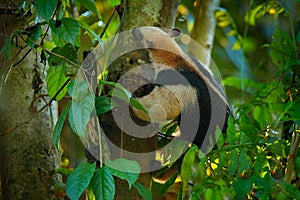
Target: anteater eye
{"type": "Point", "coordinates": [149, 43]}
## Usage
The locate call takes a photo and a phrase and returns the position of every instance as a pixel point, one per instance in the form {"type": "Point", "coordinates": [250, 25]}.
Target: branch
{"type": "Point", "coordinates": [204, 27]}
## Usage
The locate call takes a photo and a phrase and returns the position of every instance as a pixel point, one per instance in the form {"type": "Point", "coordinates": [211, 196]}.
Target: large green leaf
{"type": "Point", "coordinates": [79, 114]}
{"type": "Point", "coordinates": [143, 191]}
{"type": "Point", "coordinates": [79, 179]}
{"type": "Point", "coordinates": [45, 8]}
{"type": "Point", "coordinates": [67, 29]}
{"type": "Point", "coordinates": [102, 184]}
{"type": "Point", "coordinates": [59, 124]}
{"type": "Point", "coordinates": [125, 169]}
{"type": "Point", "coordinates": [55, 80]}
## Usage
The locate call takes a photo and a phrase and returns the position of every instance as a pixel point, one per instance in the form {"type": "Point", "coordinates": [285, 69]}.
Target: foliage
{"type": "Point", "coordinates": [249, 161]}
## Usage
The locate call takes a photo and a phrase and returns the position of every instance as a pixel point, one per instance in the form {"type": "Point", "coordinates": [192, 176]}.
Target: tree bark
{"type": "Point", "coordinates": [204, 27]}
{"type": "Point", "coordinates": [27, 157]}
{"type": "Point", "coordinates": [160, 13]}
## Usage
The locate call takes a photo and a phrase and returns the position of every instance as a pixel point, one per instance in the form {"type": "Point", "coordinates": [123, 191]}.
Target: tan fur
{"type": "Point", "coordinates": [167, 103]}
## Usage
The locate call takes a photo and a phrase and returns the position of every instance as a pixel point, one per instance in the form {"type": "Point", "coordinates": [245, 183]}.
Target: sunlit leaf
{"type": "Point", "coordinates": [187, 165]}
{"type": "Point", "coordinates": [55, 80]}
{"type": "Point", "coordinates": [79, 179]}
{"type": "Point", "coordinates": [224, 23]}
{"type": "Point", "coordinates": [115, 2]}
{"type": "Point", "coordinates": [236, 46]}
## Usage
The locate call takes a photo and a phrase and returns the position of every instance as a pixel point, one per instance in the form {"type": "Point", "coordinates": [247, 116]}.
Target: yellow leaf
{"type": "Point", "coordinates": [272, 11]}
{"type": "Point", "coordinates": [236, 46]}
{"type": "Point", "coordinates": [232, 33]}
{"type": "Point", "coordinates": [220, 13]}
{"type": "Point", "coordinates": [224, 23]}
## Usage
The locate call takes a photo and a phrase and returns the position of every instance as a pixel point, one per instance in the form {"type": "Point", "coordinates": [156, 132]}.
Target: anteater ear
{"type": "Point", "coordinates": [174, 32]}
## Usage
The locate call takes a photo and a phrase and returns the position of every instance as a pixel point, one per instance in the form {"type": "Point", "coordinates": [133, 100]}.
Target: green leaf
{"type": "Point", "coordinates": [34, 35]}
{"type": "Point", "coordinates": [143, 191]}
{"type": "Point", "coordinates": [55, 80]}
{"type": "Point", "coordinates": [59, 124]}
{"type": "Point", "coordinates": [125, 169]}
{"type": "Point", "coordinates": [298, 37]}
{"type": "Point", "coordinates": [79, 179]}
{"type": "Point", "coordinates": [260, 164]}
{"type": "Point", "coordinates": [233, 162]}
{"type": "Point", "coordinates": [242, 187]}
{"type": "Point", "coordinates": [65, 171]}
{"type": "Point", "coordinates": [86, 27]}
{"type": "Point", "coordinates": [67, 29]}
{"type": "Point", "coordinates": [45, 8]}
{"type": "Point", "coordinates": [79, 114]}
{"type": "Point", "coordinates": [103, 184]}
{"type": "Point", "coordinates": [209, 194]}
{"type": "Point", "coordinates": [123, 94]}
{"type": "Point", "coordinates": [231, 132]}
{"type": "Point", "coordinates": [103, 104]}
{"type": "Point", "coordinates": [282, 48]}
{"type": "Point", "coordinates": [68, 51]}
{"type": "Point", "coordinates": [245, 161]}
{"type": "Point", "coordinates": [78, 89]}
{"type": "Point", "coordinates": [222, 161]}
{"type": "Point", "coordinates": [6, 49]}
{"type": "Point", "coordinates": [115, 2]}
{"type": "Point", "coordinates": [187, 165]}
{"type": "Point", "coordinates": [248, 133]}
{"type": "Point", "coordinates": [90, 5]}
{"type": "Point", "coordinates": [220, 141]}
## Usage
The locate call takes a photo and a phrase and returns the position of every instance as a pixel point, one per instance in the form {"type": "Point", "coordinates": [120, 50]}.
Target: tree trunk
{"type": "Point", "coordinates": [27, 158]}
{"type": "Point", "coordinates": [204, 27]}
{"type": "Point", "coordinates": [159, 13]}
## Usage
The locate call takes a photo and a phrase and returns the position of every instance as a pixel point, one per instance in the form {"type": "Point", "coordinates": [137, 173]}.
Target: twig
{"type": "Point", "coordinates": [108, 22]}
{"type": "Point", "coordinates": [291, 158]}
